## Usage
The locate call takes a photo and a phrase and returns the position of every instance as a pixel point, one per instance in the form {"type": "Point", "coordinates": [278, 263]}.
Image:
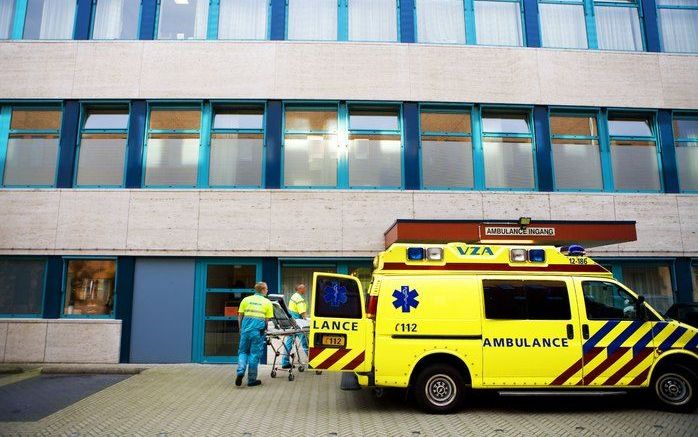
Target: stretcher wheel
{"type": "Point", "coordinates": [301, 368]}
{"type": "Point", "coordinates": [291, 377]}
{"type": "Point", "coordinates": [273, 373]}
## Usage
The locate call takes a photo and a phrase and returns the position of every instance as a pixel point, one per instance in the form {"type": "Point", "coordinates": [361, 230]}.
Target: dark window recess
{"type": "Point", "coordinates": [337, 297]}
{"type": "Point", "coordinates": [21, 286]}
{"type": "Point", "coordinates": [231, 276]}
{"type": "Point", "coordinates": [607, 301]}
{"type": "Point", "coordinates": [526, 300]}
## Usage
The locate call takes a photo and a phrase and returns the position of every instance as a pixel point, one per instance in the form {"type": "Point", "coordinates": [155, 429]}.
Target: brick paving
{"type": "Point", "coordinates": [199, 400]}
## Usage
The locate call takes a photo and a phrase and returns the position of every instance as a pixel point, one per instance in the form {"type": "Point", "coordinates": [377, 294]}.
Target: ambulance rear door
{"type": "Point", "coordinates": [341, 336]}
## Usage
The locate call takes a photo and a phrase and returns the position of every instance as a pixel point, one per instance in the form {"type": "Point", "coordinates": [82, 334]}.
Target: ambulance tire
{"type": "Point", "coordinates": [439, 389]}
{"type": "Point", "coordinates": [675, 388]}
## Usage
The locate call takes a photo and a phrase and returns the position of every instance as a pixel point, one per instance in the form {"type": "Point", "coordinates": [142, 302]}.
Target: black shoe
{"type": "Point", "coordinates": [286, 366]}
{"type": "Point", "coordinates": [238, 380]}
{"type": "Point", "coordinates": [254, 383]}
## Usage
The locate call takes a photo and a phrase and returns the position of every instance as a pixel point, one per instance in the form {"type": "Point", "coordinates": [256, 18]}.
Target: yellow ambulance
{"type": "Point", "coordinates": [443, 319]}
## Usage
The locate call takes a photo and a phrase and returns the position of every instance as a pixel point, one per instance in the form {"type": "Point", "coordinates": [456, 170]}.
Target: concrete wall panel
{"type": "Point", "coordinates": [305, 221]}
{"type": "Point", "coordinates": [241, 222]}
{"type": "Point", "coordinates": [367, 215]}
{"type": "Point", "coordinates": [39, 70]}
{"type": "Point", "coordinates": [83, 341]}
{"type": "Point", "coordinates": [26, 341]}
{"type": "Point", "coordinates": [677, 71]}
{"type": "Point", "coordinates": [512, 206]}
{"type": "Point", "coordinates": [28, 219]}
{"type": "Point", "coordinates": [657, 219]}
{"type": "Point", "coordinates": [163, 220]}
{"type": "Point", "coordinates": [457, 206]}
{"type": "Point", "coordinates": [3, 340]}
{"type": "Point", "coordinates": [99, 79]}
{"type": "Point", "coordinates": [688, 217]}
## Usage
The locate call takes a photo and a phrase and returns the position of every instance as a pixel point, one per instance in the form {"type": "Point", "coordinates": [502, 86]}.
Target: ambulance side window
{"type": "Point", "coordinates": [526, 300]}
{"type": "Point", "coordinates": [337, 297]}
{"type": "Point", "coordinates": [607, 301]}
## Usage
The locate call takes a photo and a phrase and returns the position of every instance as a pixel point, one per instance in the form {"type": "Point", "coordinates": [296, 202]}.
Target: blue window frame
{"type": "Point", "coordinates": [678, 25]}
{"type": "Point", "coordinates": [563, 24]}
{"type": "Point", "coordinates": [48, 19]}
{"type": "Point", "coordinates": [686, 143]}
{"type": "Point", "coordinates": [618, 25]}
{"type": "Point", "coordinates": [22, 286]}
{"type": "Point", "coordinates": [116, 19]}
{"type": "Point", "coordinates": [89, 287]}
{"type": "Point", "coordinates": [101, 151]}
{"type": "Point", "coordinates": [576, 151]}
{"type": "Point", "coordinates": [29, 145]}
{"type": "Point", "coordinates": [179, 19]}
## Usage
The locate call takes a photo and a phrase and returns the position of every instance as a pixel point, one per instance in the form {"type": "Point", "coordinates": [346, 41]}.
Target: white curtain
{"type": "Point", "coordinates": [242, 19]}
{"type": "Point", "coordinates": [108, 19]}
{"type": "Point", "coordinates": [679, 30]}
{"type": "Point", "coordinates": [563, 25]}
{"type": "Point", "coordinates": [314, 20]}
{"type": "Point", "coordinates": [372, 20]}
{"type": "Point", "coordinates": [57, 17]}
{"type": "Point", "coordinates": [6, 12]}
{"type": "Point", "coordinates": [441, 21]}
{"type": "Point", "coordinates": [618, 28]}
{"type": "Point", "coordinates": [201, 19]}
{"type": "Point", "coordinates": [498, 23]}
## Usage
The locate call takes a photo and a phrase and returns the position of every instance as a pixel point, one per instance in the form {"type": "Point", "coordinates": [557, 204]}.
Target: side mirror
{"type": "Point", "coordinates": [640, 309]}
{"type": "Point", "coordinates": [641, 299]}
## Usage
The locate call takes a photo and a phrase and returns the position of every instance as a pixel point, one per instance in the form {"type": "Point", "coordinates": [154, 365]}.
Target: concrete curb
{"type": "Point", "coordinates": [93, 369]}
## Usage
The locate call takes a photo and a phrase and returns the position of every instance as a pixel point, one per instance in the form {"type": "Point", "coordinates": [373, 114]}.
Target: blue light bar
{"type": "Point", "coordinates": [415, 253]}
{"type": "Point", "coordinates": [575, 250]}
{"type": "Point", "coordinates": [536, 255]}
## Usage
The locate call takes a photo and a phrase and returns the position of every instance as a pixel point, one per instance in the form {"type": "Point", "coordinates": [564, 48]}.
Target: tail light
{"type": "Point", "coordinates": [372, 307]}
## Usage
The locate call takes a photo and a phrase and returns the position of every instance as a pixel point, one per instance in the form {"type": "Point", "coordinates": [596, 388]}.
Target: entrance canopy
{"type": "Point", "coordinates": [524, 231]}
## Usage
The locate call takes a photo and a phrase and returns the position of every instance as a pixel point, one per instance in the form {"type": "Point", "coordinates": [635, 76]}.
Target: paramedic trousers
{"type": "Point", "coordinates": [250, 350]}
{"type": "Point", "coordinates": [288, 343]}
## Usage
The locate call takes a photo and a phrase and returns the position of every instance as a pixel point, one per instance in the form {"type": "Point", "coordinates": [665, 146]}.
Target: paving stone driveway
{"type": "Point", "coordinates": [201, 400]}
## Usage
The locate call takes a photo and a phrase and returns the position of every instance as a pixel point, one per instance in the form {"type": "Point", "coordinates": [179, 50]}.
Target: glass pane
{"type": "Point", "coordinates": [618, 28]}
{"type": "Point", "coordinates": [509, 122]}
{"type": "Point", "coordinates": [106, 120]}
{"type": "Point", "coordinates": [172, 160]}
{"type": "Point", "coordinates": [236, 160]}
{"type": "Point", "coordinates": [311, 121]}
{"type": "Point", "coordinates": [116, 19]}
{"type": "Point", "coordinates": [375, 161]}
{"type": "Point", "coordinates": [242, 19]}
{"type": "Point", "coordinates": [372, 20]}
{"type": "Point", "coordinates": [221, 338]}
{"type": "Point", "coordinates": [183, 19]}
{"type": "Point", "coordinates": [679, 30]}
{"type": "Point", "coordinates": [498, 23]}
{"type": "Point", "coordinates": [340, 298]}
{"type": "Point", "coordinates": [310, 160]}
{"type": "Point", "coordinates": [577, 164]}
{"type": "Point", "coordinates": [101, 160]}
{"type": "Point", "coordinates": [35, 120]}
{"type": "Point", "coordinates": [607, 301]}
{"type": "Point", "coordinates": [687, 162]}
{"type": "Point", "coordinates": [21, 286]}
{"type": "Point", "coordinates": [7, 10]}
{"type": "Point", "coordinates": [440, 21]}
{"type": "Point", "coordinates": [677, 2]}
{"type": "Point", "coordinates": [629, 126]}
{"type": "Point", "coordinates": [635, 165]}
{"type": "Point", "coordinates": [373, 119]}
{"type": "Point", "coordinates": [231, 276]}
{"type": "Point", "coordinates": [223, 304]}
{"type": "Point", "coordinates": [447, 162]}
{"type": "Point", "coordinates": [312, 20]}
{"type": "Point", "coordinates": [653, 282]}
{"type": "Point", "coordinates": [686, 128]}
{"type": "Point", "coordinates": [562, 25]}
{"type": "Point", "coordinates": [292, 276]}
{"type": "Point", "coordinates": [445, 122]}
{"type": "Point", "coordinates": [508, 163]}
{"type": "Point", "coordinates": [164, 119]}
{"type": "Point", "coordinates": [252, 118]}
{"type": "Point", "coordinates": [695, 282]}
{"type": "Point", "coordinates": [573, 125]}
{"type": "Point", "coordinates": [31, 160]}
{"type": "Point", "coordinates": [89, 287]}
{"type": "Point", "coordinates": [49, 19]}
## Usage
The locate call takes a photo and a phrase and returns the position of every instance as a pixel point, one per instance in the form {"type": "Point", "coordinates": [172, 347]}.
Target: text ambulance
{"type": "Point", "coordinates": [444, 318]}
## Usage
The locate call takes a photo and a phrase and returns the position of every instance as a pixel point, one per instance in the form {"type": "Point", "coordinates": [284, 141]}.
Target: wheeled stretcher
{"type": "Point", "coordinates": [281, 327]}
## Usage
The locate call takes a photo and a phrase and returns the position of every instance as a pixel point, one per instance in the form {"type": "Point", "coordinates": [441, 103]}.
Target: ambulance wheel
{"type": "Point", "coordinates": [439, 389]}
{"type": "Point", "coordinates": [291, 377]}
{"type": "Point", "coordinates": [273, 373]}
{"type": "Point", "coordinates": [675, 388]}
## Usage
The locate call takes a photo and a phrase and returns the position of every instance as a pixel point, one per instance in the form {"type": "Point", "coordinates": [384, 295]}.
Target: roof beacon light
{"type": "Point", "coordinates": [536, 255]}
{"type": "Point", "coordinates": [415, 253]}
{"type": "Point", "coordinates": [575, 250]}
{"type": "Point", "coordinates": [517, 255]}
{"type": "Point", "coordinates": [435, 253]}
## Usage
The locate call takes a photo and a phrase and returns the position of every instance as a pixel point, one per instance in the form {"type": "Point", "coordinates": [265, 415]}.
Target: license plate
{"type": "Point", "coordinates": [333, 340]}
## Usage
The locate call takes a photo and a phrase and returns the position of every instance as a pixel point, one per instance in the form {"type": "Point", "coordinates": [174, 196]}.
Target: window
{"type": "Point", "coordinates": [310, 147]}
{"type": "Point", "coordinates": [618, 25]}
{"type": "Point", "coordinates": [102, 147]}
{"type": "Point", "coordinates": [312, 20]}
{"type": "Point", "coordinates": [447, 149]}
{"type": "Point", "coordinates": [372, 20]}
{"type": "Point", "coordinates": [607, 301]}
{"type": "Point", "coordinates": [21, 286]}
{"type": "Point", "coordinates": [507, 145]}
{"type": "Point", "coordinates": [49, 19]}
{"type": "Point", "coordinates": [237, 145]}
{"type": "Point", "coordinates": [180, 19]}
{"type": "Point", "coordinates": [633, 152]}
{"type": "Point", "coordinates": [441, 21]}
{"type": "Point", "coordinates": [172, 148]}
{"type": "Point", "coordinates": [7, 11]}
{"type": "Point", "coordinates": [678, 25]}
{"type": "Point", "coordinates": [32, 148]}
{"type": "Point", "coordinates": [116, 19]}
{"type": "Point", "coordinates": [526, 300]}
{"type": "Point", "coordinates": [652, 281]}
{"type": "Point", "coordinates": [686, 143]}
{"type": "Point", "coordinates": [375, 147]}
{"type": "Point", "coordinates": [89, 287]}
{"type": "Point", "coordinates": [694, 267]}
{"type": "Point", "coordinates": [498, 22]}
{"type": "Point", "coordinates": [242, 19]}
{"type": "Point", "coordinates": [337, 297]}
{"type": "Point", "coordinates": [576, 152]}
{"type": "Point", "coordinates": [563, 24]}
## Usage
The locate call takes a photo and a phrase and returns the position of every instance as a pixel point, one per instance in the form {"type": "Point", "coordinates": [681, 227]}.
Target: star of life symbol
{"type": "Point", "coordinates": [335, 294]}
{"type": "Point", "coordinates": [405, 298]}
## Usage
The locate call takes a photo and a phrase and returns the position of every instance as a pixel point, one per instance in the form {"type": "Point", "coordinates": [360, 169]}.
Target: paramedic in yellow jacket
{"type": "Point", "coordinates": [298, 310]}
{"type": "Point", "coordinates": [253, 315]}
